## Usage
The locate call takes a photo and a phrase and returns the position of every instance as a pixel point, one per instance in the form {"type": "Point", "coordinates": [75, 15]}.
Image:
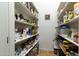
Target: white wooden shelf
{"type": "Point", "coordinates": [34, 7]}
{"type": "Point", "coordinates": [20, 8]}
{"type": "Point", "coordinates": [61, 5]}
{"type": "Point", "coordinates": [63, 9]}
{"type": "Point", "coordinates": [25, 38]}
{"type": "Point", "coordinates": [27, 51]}
{"type": "Point", "coordinates": [69, 39]}
{"type": "Point", "coordinates": [26, 23]}
{"type": "Point", "coordinates": [24, 10]}
{"type": "Point", "coordinates": [72, 21]}
{"type": "Point", "coordinates": [67, 6]}
{"type": "Point", "coordinates": [63, 49]}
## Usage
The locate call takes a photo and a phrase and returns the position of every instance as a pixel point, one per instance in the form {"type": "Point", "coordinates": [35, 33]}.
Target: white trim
{"type": "Point", "coordinates": [11, 29]}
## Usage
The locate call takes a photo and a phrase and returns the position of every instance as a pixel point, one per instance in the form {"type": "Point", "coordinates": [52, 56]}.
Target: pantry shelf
{"type": "Point", "coordinates": [68, 19]}
{"type": "Point", "coordinates": [22, 22]}
{"type": "Point", "coordinates": [25, 38]}
{"type": "Point", "coordinates": [68, 6]}
{"type": "Point", "coordinates": [69, 39]}
{"type": "Point", "coordinates": [72, 21]}
{"type": "Point", "coordinates": [26, 52]}
{"type": "Point", "coordinates": [24, 10]}
{"type": "Point", "coordinates": [34, 7]}
{"type": "Point", "coordinates": [26, 25]}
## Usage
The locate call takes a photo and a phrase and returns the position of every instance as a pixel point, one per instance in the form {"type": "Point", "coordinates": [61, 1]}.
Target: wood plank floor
{"type": "Point", "coordinates": [46, 53]}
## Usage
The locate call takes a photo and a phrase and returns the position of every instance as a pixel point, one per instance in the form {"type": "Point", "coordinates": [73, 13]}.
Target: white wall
{"type": "Point", "coordinates": [7, 29]}
{"type": "Point", "coordinates": [47, 28]}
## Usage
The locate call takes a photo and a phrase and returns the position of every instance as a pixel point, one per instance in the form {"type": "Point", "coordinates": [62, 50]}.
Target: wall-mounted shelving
{"type": "Point", "coordinates": [67, 29]}
{"type": "Point", "coordinates": [25, 38]}
{"type": "Point", "coordinates": [66, 6]}
{"type": "Point", "coordinates": [65, 47]}
{"type": "Point", "coordinates": [69, 39]}
{"type": "Point", "coordinates": [24, 10]}
{"type": "Point", "coordinates": [25, 52]}
{"type": "Point", "coordinates": [25, 23]}
{"type": "Point", "coordinates": [26, 28]}
{"type": "Point", "coordinates": [73, 21]}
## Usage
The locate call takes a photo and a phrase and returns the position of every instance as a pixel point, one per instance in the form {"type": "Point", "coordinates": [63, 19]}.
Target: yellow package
{"type": "Point", "coordinates": [70, 15]}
